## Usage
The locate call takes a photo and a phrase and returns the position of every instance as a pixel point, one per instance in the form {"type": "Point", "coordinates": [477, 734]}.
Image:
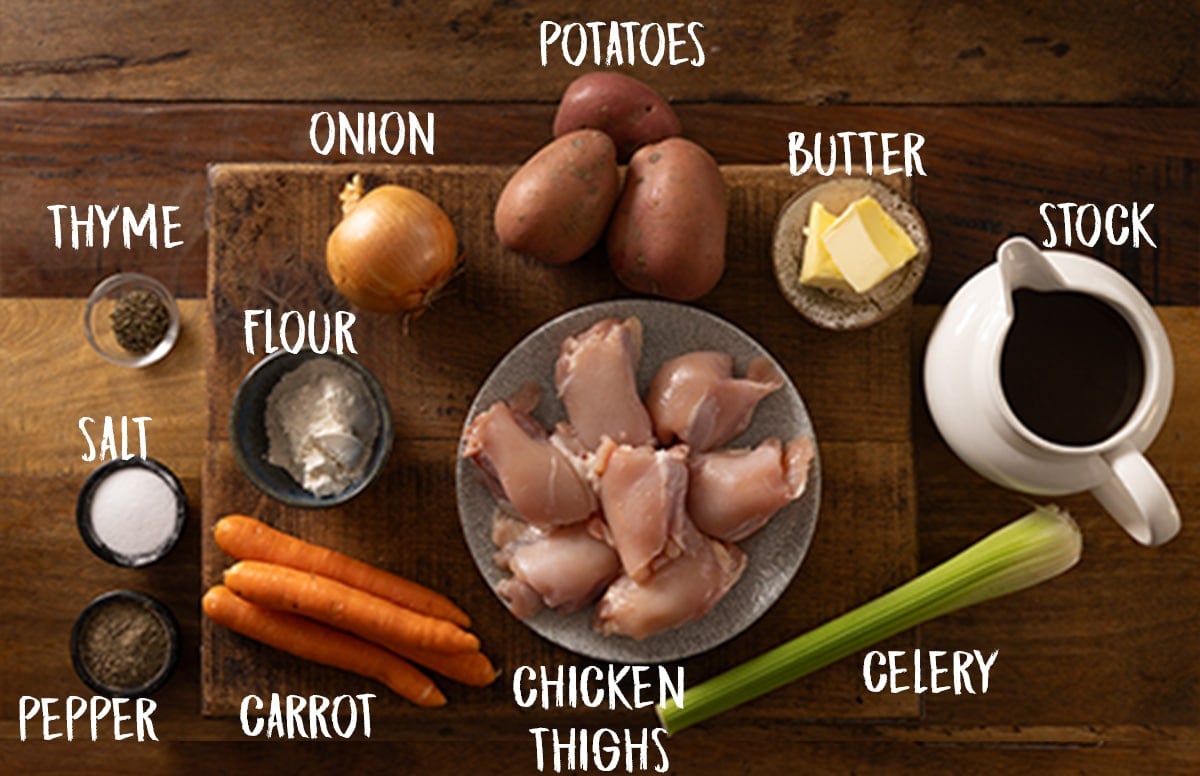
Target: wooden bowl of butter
{"type": "Point", "coordinates": [849, 252]}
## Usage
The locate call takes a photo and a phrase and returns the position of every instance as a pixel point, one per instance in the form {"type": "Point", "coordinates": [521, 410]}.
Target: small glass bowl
{"type": "Point", "coordinates": [97, 319]}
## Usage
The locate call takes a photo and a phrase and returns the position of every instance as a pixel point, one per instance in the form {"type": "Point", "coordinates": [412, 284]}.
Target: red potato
{"type": "Point", "coordinates": [629, 111]}
{"type": "Point", "coordinates": [667, 236]}
{"type": "Point", "coordinates": [555, 206]}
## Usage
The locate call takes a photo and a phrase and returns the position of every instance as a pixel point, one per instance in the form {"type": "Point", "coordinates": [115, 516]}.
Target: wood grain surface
{"type": "Point", "coordinates": [815, 53]}
{"type": "Point", "coordinates": [989, 169]}
{"type": "Point", "coordinates": [1071, 690]}
{"type": "Point", "coordinates": [122, 102]}
{"type": "Point", "coordinates": [269, 225]}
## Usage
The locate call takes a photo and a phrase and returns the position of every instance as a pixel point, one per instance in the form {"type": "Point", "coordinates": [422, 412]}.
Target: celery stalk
{"type": "Point", "coordinates": [1031, 549]}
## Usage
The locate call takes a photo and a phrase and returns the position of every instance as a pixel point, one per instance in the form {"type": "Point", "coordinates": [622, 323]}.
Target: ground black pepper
{"type": "Point", "coordinates": [140, 321]}
{"type": "Point", "coordinates": [124, 644]}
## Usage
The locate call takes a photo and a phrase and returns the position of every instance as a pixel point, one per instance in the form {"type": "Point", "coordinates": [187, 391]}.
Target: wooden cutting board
{"type": "Point", "coordinates": [268, 225]}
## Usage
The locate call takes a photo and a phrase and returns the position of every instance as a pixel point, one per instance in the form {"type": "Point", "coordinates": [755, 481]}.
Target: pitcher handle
{"type": "Point", "coordinates": [1137, 498]}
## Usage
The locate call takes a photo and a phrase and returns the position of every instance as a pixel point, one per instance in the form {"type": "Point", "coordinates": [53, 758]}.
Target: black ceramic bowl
{"type": "Point", "coordinates": [248, 431]}
{"type": "Point", "coordinates": [166, 653]}
{"type": "Point", "coordinates": [83, 513]}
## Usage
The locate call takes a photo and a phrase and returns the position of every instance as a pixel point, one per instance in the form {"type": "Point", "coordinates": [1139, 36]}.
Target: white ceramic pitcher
{"type": "Point", "coordinates": [965, 395]}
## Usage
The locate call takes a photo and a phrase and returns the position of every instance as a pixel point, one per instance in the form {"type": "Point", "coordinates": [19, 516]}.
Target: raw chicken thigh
{"type": "Point", "coordinates": [596, 379]}
{"type": "Point", "coordinates": [643, 493]}
{"type": "Point", "coordinates": [519, 460]}
{"type": "Point", "coordinates": [562, 568]}
{"type": "Point", "coordinates": [683, 590]}
{"type": "Point", "coordinates": [733, 493]}
{"type": "Point", "coordinates": [629, 505]}
{"type": "Point", "coordinates": [695, 398]}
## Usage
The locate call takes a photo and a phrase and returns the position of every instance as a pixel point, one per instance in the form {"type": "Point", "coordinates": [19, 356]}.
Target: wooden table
{"type": "Point", "coordinates": [121, 102]}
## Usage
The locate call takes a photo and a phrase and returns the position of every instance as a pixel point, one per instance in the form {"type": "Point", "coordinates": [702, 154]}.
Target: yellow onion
{"type": "Point", "coordinates": [393, 250]}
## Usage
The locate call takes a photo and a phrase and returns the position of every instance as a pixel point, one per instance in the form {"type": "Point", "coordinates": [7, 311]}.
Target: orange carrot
{"type": "Point", "coordinates": [312, 641]}
{"type": "Point", "coordinates": [472, 668]}
{"type": "Point", "coordinates": [245, 538]}
{"type": "Point", "coordinates": [348, 608]}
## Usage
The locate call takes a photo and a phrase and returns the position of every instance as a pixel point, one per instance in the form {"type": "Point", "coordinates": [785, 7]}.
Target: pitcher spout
{"type": "Point", "coordinates": [1023, 265]}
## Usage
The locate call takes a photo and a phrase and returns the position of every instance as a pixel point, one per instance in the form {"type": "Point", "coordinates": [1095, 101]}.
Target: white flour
{"type": "Point", "coordinates": [321, 426]}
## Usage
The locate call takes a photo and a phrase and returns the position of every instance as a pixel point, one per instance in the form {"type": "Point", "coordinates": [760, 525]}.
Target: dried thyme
{"type": "Point", "coordinates": [140, 321]}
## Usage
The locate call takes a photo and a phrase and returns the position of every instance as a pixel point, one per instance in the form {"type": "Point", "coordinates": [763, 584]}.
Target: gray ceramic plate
{"type": "Point", "coordinates": [775, 552]}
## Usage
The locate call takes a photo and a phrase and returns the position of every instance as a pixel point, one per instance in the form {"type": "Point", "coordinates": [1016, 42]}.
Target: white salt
{"type": "Point", "coordinates": [134, 512]}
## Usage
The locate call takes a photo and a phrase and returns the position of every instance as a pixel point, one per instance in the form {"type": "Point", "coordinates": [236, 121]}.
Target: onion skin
{"type": "Point", "coordinates": [392, 251]}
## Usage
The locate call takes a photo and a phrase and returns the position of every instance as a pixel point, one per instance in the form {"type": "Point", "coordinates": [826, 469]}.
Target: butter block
{"type": "Point", "coordinates": [866, 244]}
{"type": "Point", "coordinates": [817, 267]}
